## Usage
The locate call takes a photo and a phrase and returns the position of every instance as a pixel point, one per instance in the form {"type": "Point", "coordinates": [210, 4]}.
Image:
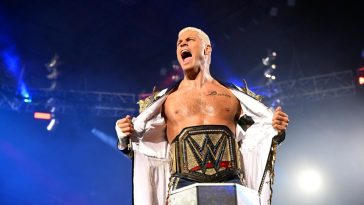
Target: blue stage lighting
{"type": "Point", "coordinates": [12, 64]}
{"type": "Point", "coordinates": [51, 124]}
{"type": "Point", "coordinates": [27, 100]}
{"type": "Point", "coordinates": [23, 90]}
{"type": "Point", "coordinates": [11, 60]}
{"type": "Point", "coordinates": [107, 139]}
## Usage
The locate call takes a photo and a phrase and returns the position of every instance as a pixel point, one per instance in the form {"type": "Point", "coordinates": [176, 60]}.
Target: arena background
{"type": "Point", "coordinates": [88, 62]}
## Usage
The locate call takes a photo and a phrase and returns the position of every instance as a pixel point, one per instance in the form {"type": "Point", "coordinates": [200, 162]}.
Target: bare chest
{"type": "Point", "coordinates": [210, 102]}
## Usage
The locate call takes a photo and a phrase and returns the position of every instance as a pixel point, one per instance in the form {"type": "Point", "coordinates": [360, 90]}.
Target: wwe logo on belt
{"type": "Point", "coordinates": [209, 155]}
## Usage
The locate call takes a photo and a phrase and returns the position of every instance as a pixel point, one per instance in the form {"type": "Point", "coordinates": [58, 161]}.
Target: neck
{"type": "Point", "coordinates": [197, 77]}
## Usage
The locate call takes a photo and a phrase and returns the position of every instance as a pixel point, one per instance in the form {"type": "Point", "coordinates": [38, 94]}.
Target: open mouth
{"type": "Point", "coordinates": [185, 54]}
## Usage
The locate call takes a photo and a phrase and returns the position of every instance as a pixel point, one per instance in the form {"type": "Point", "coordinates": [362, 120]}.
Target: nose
{"type": "Point", "coordinates": [183, 43]}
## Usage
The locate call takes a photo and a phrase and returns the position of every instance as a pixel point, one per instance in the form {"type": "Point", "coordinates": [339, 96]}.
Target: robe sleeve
{"type": "Point", "coordinates": [150, 155]}
{"type": "Point", "coordinates": [256, 144]}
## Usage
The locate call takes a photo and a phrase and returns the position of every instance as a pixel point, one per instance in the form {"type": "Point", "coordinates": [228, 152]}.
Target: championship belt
{"type": "Point", "coordinates": [207, 153]}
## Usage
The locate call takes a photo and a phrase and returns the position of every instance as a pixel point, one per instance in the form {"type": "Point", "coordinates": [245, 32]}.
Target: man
{"type": "Point", "coordinates": [200, 131]}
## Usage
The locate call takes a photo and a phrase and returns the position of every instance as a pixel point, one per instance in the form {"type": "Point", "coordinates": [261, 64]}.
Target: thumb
{"type": "Point", "coordinates": [279, 108]}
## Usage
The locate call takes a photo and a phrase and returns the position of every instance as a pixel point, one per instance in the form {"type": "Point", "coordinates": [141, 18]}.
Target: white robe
{"type": "Point", "coordinates": [151, 166]}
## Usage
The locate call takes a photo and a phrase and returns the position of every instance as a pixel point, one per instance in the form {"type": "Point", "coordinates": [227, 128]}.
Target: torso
{"type": "Point", "coordinates": [212, 104]}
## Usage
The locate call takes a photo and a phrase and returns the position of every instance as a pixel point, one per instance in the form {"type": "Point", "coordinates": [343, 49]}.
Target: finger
{"type": "Point", "coordinates": [131, 126]}
{"type": "Point", "coordinates": [281, 118]}
{"type": "Point", "coordinates": [280, 127]}
{"type": "Point", "coordinates": [280, 122]}
{"type": "Point", "coordinates": [125, 125]}
{"type": "Point", "coordinates": [279, 108]}
{"type": "Point", "coordinates": [275, 125]}
{"type": "Point", "coordinates": [121, 121]}
{"type": "Point", "coordinates": [280, 113]}
{"type": "Point", "coordinates": [276, 122]}
{"type": "Point", "coordinates": [126, 119]}
{"type": "Point", "coordinates": [284, 125]}
{"type": "Point", "coordinates": [127, 129]}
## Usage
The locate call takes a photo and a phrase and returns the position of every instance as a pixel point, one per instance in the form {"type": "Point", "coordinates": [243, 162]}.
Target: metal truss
{"type": "Point", "coordinates": [70, 102]}
{"type": "Point", "coordinates": [315, 88]}
{"type": "Point", "coordinates": [333, 85]}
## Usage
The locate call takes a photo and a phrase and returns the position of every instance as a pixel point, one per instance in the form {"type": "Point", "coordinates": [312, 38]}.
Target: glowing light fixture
{"type": "Point", "coordinates": [51, 124]}
{"type": "Point", "coordinates": [27, 100]}
{"type": "Point", "coordinates": [310, 181]}
{"type": "Point", "coordinates": [42, 116]}
{"type": "Point", "coordinates": [360, 75]}
{"type": "Point", "coordinates": [361, 80]}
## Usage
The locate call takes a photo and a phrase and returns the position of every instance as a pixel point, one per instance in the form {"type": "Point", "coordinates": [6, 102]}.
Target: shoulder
{"type": "Point", "coordinates": [243, 89]}
{"type": "Point", "coordinates": [154, 96]}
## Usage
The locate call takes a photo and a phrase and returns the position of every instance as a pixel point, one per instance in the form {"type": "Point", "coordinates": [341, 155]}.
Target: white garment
{"type": "Point", "coordinates": [151, 165]}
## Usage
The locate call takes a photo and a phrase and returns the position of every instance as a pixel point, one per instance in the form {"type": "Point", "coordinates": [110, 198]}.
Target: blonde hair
{"type": "Point", "coordinates": [202, 35]}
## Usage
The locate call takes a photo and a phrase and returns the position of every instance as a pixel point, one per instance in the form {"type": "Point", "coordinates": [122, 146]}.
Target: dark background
{"type": "Point", "coordinates": [126, 45]}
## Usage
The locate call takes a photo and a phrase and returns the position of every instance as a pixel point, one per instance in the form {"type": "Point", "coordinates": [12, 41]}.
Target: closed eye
{"type": "Point", "coordinates": [187, 39]}
{"type": "Point", "coordinates": [190, 39]}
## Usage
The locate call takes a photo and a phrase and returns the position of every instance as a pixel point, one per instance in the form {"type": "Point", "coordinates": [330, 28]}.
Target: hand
{"type": "Point", "coordinates": [126, 125]}
{"type": "Point", "coordinates": [280, 120]}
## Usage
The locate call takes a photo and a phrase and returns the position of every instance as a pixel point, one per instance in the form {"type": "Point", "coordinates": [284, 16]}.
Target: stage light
{"type": "Point", "coordinates": [360, 75]}
{"type": "Point", "coordinates": [27, 100]}
{"type": "Point", "coordinates": [22, 88]}
{"type": "Point", "coordinates": [273, 66]}
{"type": "Point", "coordinates": [107, 139]}
{"type": "Point", "coordinates": [54, 62]}
{"type": "Point", "coordinates": [266, 61]}
{"type": "Point", "coordinates": [13, 66]}
{"type": "Point", "coordinates": [53, 109]}
{"type": "Point", "coordinates": [42, 116]}
{"type": "Point", "coordinates": [51, 124]}
{"type": "Point", "coordinates": [361, 80]}
{"type": "Point", "coordinates": [310, 181]}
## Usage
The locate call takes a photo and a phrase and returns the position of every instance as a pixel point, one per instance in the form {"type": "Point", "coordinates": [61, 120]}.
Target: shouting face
{"type": "Point", "coordinates": [191, 51]}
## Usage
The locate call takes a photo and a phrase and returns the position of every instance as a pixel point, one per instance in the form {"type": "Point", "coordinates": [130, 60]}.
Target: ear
{"type": "Point", "coordinates": [208, 50]}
